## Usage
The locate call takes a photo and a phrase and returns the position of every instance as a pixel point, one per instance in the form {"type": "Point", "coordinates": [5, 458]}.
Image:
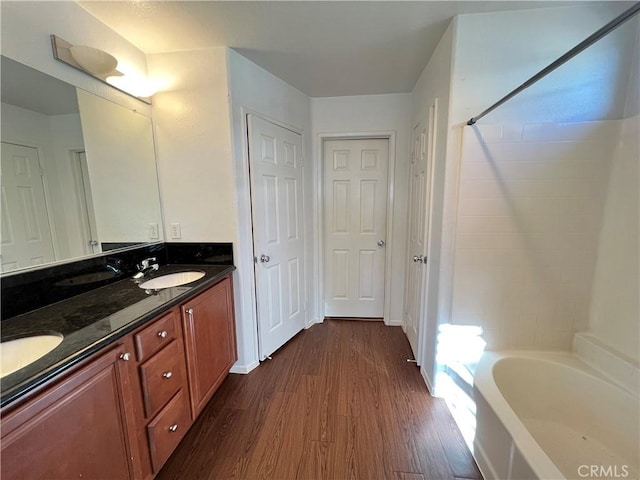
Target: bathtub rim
{"type": "Point", "coordinates": [484, 383]}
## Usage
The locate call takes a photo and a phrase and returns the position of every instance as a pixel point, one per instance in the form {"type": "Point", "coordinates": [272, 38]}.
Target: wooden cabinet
{"type": "Point", "coordinates": [167, 429]}
{"type": "Point", "coordinates": [120, 415]}
{"type": "Point", "coordinates": [163, 386]}
{"type": "Point", "coordinates": [210, 341]}
{"type": "Point", "coordinates": [74, 429]}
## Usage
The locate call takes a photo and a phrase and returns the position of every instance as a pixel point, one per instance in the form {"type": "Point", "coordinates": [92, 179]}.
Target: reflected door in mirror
{"type": "Point", "coordinates": [97, 194]}
{"type": "Point", "coordinates": [26, 232]}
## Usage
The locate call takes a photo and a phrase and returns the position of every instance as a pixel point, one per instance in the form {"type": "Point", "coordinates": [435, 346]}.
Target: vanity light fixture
{"type": "Point", "coordinates": [102, 66]}
{"type": "Point", "coordinates": [93, 60]}
{"type": "Point", "coordinates": [131, 81]}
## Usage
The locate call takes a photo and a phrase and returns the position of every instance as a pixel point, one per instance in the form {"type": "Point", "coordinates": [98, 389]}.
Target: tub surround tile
{"type": "Point", "coordinates": [614, 365]}
{"type": "Point", "coordinates": [530, 204]}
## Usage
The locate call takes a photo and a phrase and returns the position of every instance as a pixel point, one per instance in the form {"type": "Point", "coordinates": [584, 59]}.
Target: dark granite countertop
{"type": "Point", "coordinates": [93, 320]}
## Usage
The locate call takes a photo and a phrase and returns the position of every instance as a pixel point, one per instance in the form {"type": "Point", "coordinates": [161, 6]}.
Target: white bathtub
{"type": "Point", "coordinates": [547, 415]}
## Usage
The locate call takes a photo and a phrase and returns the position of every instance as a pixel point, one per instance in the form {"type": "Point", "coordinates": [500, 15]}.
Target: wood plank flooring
{"type": "Point", "coordinates": [339, 401]}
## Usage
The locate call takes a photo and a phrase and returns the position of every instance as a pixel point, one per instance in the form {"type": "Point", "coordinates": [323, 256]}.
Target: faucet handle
{"type": "Point", "coordinates": [145, 263]}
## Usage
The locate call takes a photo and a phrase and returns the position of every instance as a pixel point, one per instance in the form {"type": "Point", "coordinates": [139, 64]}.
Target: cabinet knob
{"type": "Point", "coordinates": [125, 356]}
{"type": "Point", "coordinates": [167, 374]}
{"type": "Point", "coordinates": [162, 334]}
{"type": "Point", "coordinates": [189, 311]}
{"type": "Point", "coordinates": [173, 427]}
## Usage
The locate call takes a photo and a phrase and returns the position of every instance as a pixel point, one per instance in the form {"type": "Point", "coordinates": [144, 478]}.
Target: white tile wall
{"type": "Point", "coordinates": [622, 370]}
{"type": "Point", "coordinates": [529, 212]}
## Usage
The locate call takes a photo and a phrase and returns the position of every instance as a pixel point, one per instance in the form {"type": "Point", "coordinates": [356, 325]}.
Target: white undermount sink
{"type": "Point", "coordinates": [18, 353]}
{"type": "Point", "coordinates": [171, 280]}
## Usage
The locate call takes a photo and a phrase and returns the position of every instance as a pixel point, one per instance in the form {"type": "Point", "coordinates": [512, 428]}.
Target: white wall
{"type": "Point", "coordinates": [53, 136]}
{"type": "Point", "coordinates": [531, 189]}
{"type": "Point", "coordinates": [498, 51]}
{"type": "Point", "coordinates": [193, 145]}
{"type": "Point", "coordinates": [25, 30]}
{"type": "Point", "coordinates": [530, 206]}
{"type": "Point", "coordinates": [615, 313]}
{"type": "Point", "coordinates": [371, 114]}
{"type": "Point", "coordinates": [254, 90]}
{"type": "Point", "coordinates": [66, 138]}
{"type": "Point", "coordinates": [434, 85]}
{"type": "Point", "coordinates": [122, 170]}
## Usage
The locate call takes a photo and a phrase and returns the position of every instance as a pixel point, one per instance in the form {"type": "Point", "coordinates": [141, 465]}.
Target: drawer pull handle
{"type": "Point", "coordinates": [125, 356]}
{"type": "Point", "coordinates": [167, 374]}
{"type": "Point", "coordinates": [173, 427]}
{"type": "Point", "coordinates": [162, 334]}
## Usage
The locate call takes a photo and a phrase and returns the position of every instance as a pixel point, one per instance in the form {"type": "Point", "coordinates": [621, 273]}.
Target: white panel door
{"type": "Point", "coordinates": [355, 226]}
{"type": "Point", "coordinates": [419, 202]}
{"type": "Point", "coordinates": [275, 155]}
{"type": "Point", "coordinates": [26, 232]}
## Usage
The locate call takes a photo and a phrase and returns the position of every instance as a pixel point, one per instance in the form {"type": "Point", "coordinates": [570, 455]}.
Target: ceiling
{"type": "Point", "coordinates": [27, 88]}
{"type": "Point", "coordinates": [331, 48]}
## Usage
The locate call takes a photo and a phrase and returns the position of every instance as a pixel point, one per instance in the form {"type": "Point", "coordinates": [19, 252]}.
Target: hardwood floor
{"type": "Point", "coordinates": [339, 401]}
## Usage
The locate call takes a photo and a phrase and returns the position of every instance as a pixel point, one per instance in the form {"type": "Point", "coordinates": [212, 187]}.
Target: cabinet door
{"type": "Point", "coordinates": [210, 345]}
{"type": "Point", "coordinates": [75, 429]}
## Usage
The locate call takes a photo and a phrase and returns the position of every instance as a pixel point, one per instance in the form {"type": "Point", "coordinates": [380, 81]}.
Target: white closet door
{"type": "Point", "coordinates": [278, 231]}
{"type": "Point", "coordinates": [420, 191]}
{"type": "Point", "coordinates": [355, 225]}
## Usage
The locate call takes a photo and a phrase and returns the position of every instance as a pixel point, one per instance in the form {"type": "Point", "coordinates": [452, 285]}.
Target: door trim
{"type": "Point", "coordinates": [423, 338]}
{"type": "Point", "coordinates": [245, 246]}
{"type": "Point", "coordinates": [391, 137]}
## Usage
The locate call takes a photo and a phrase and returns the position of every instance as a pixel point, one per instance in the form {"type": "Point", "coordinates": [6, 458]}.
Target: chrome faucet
{"type": "Point", "coordinates": [146, 266]}
{"type": "Point", "coordinates": [114, 265]}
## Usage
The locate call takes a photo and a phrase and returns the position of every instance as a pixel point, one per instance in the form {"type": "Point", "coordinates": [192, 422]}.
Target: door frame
{"type": "Point", "coordinates": [244, 259]}
{"type": "Point", "coordinates": [385, 135]}
{"type": "Point", "coordinates": [84, 201]}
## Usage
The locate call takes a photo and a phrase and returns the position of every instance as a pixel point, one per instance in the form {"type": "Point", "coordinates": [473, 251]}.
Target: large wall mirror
{"type": "Point", "coordinates": [78, 172]}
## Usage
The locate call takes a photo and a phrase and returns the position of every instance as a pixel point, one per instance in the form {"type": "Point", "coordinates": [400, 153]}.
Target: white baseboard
{"type": "Point", "coordinates": [312, 322]}
{"type": "Point", "coordinates": [393, 323]}
{"type": "Point", "coordinates": [425, 377]}
{"type": "Point", "coordinates": [244, 369]}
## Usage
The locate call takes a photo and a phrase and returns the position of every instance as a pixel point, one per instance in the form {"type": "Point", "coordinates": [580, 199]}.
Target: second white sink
{"type": "Point", "coordinates": [16, 354]}
{"type": "Point", "coordinates": [171, 280]}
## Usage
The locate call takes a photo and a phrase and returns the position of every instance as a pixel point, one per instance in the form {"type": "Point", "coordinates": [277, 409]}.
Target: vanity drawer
{"type": "Point", "coordinates": [167, 429]}
{"type": "Point", "coordinates": [162, 376]}
{"type": "Point", "coordinates": [156, 336]}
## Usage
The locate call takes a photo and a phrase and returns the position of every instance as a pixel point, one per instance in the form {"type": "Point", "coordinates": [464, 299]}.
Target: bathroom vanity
{"type": "Point", "coordinates": [115, 398]}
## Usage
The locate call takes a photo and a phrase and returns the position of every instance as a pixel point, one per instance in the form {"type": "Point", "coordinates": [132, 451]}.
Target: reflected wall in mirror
{"type": "Point", "coordinates": [78, 172]}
